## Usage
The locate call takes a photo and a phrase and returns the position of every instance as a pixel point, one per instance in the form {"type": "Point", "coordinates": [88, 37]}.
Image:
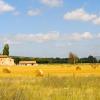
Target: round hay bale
{"type": "Point", "coordinates": [94, 66]}
{"type": "Point", "coordinates": [39, 73]}
{"type": "Point", "coordinates": [6, 70]}
{"type": "Point", "coordinates": [78, 68]}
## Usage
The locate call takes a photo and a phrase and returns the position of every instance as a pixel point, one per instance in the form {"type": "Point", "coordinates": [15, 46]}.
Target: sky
{"type": "Point", "coordinates": [50, 28]}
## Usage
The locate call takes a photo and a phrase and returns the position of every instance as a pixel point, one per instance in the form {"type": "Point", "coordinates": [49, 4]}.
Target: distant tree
{"type": "Point", "coordinates": [92, 59]}
{"type": "Point", "coordinates": [16, 60]}
{"type": "Point", "coordinates": [6, 49]}
{"type": "Point", "coordinates": [84, 60]}
{"type": "Point", "coordinates": [72, 58]}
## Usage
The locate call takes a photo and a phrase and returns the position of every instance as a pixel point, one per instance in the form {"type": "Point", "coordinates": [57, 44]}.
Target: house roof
{"type": "Point", "coordinates": [4, 56]}
{"type": "Point", "coordinates": [27, 62]}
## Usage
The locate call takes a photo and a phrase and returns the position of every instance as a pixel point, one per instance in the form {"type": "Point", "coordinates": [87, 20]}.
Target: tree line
{"type": "Point", "coordinates": [72, 58]}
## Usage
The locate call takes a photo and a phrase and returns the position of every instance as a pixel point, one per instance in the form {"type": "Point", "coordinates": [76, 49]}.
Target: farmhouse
{"type": "Point", "coordinates": [6, 60]}
{"type": "Point", "coordinates": [27, 63]}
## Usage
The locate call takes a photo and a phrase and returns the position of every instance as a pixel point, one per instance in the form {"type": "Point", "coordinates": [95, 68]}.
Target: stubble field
{"type": "Point", "coordinates": [57, 82]}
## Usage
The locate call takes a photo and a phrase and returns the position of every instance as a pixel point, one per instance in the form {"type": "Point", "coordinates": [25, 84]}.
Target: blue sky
{"type": "Point", "coordinates": [50, 28]}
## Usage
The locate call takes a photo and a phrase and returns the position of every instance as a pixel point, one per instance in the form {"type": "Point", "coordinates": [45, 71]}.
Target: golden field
{"type": "Point", "coordinates": [59, 82]}
{"type": "Point", "coordinates": [52, 70]}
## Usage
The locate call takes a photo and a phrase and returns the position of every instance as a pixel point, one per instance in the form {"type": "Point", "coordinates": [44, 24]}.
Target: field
{"type": "Point", "coordinates": [52, 70]}
{"type": "Point", "coordinates": [58, 82]}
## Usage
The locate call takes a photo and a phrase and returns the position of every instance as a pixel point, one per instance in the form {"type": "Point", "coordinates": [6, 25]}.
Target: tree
{"type": "Point", "coordinates": [92, 59]}
{"type": "Point", "coordinates": [73, 58]}
{"type": "Point", "coordinates": [6, 50]}
{"type": "Point", "coordinates": [16, 60]}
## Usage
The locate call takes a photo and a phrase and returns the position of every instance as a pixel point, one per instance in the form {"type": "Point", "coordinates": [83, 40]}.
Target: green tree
{"type": "Point", "coordinates": [92, 59]}
{"type": "Point", "coordinates": [6, 49]}
{"type": "Point", "coordinates": [16, 60]}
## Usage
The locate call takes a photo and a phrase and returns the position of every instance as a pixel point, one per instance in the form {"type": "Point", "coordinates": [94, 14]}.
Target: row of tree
{"type": "Point", "coordinates": [72, 59]}
{"type": "Point", "coordinates": [75, 59]}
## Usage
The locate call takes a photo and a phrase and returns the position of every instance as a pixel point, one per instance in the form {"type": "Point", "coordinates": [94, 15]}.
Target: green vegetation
{"type": "Point", "coordinates": [50, 88]}
{"type": "Point", "coordinates": [71, 59]}
{"type": "Point", "coordinates": [6, 49]}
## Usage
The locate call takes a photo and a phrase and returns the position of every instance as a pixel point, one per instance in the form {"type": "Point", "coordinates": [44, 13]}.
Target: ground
{"type": "Point", "coordinates": [52, 70]}
{"type": "Point", "coordinates": [58, 82]}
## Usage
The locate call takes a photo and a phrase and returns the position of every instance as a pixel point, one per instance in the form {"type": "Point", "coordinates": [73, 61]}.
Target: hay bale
{"type": "Point", "coordinates": [39, 73]}
{"type": "Point", "coordinates": [94, 66]}
{"type": "Point", "coordinates": [6, 70]}
{"type": "Point", "coordinates": [78, 68]}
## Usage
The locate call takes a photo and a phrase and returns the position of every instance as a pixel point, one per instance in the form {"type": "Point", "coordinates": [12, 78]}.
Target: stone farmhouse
{"type": "Point", "coordinates": [6, 60]}
{"type": "Point", "coordinates": [27, 63]}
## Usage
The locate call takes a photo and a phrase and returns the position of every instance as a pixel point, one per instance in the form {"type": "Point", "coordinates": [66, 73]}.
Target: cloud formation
{"type": "Point", "coordinates": [52, 3]}
{"type": "Point", "coordinates": [81, 36]}
{"type": "Point", "coordinates": [46, 37]}
{"type": "Point", "coordinates": [81, 15]}
{"type": "Point", "coordinates": [34, 12]}
{"type": "Point", "coordinates": [5, 7]}
{"type": "Point", "coordinates": [40, 37]}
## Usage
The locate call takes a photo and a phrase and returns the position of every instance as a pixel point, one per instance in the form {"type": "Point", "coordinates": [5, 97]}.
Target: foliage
{"type": "Point", "coordinates": [18, 58]}
{"type": "Point", "coordinates": [72, 59]}
{"type": "Point", "coordinates": [6, 49]}
{"type": "Point", "coordinates": [91, 59]}
{"type": "Point", "coordinates": [51, 60]}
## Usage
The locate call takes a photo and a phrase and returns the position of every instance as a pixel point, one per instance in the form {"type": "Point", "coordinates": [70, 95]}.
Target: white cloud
{"type": "Point", "coordinates": [5, 7]}
{"type": "Point", "coordinates": [52, 3]}
{"type": "Point", "coordinates": [81, 36]}
{"type": "Point", "coordinates": [40, 37]}
{"type": "Point", "coordinates": [52, 36]}
{"type": "Point", "coordinates": [45, 37]}
{"type": "Point", "coordinates": [82, 15]}
{"type": "Point", "coordinates": [9, 40]}
{"type": "Point", "coordinates": [86, 35]}
{"type": "Point", "coordinates": [97, 21]}
{"type": "Point", "coordinates": [34, 12]}
{"type": "Point", "coordinates": [21, 38]}
{"type": "Point", "coordinates": [79, 14]}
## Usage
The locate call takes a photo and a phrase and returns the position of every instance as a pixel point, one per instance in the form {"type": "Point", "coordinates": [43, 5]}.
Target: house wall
{"type": "Point", "coordinates": [6, 61]}
{"type": "Point", "coordinates": [27, 64]}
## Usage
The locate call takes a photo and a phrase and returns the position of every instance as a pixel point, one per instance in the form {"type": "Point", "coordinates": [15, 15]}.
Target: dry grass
{"type": "Point", "coordinates": [50, 88]}
{"type": "Point", "coordinates": [58, 82]}
{"type": "Point", "coordinates": [52, 70]}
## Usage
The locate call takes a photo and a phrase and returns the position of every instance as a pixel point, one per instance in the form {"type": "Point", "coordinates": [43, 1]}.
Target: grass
{"type": "Point", "coordinates": [52, 70]}
{"type": "Point", "coordinates": [50, 88]}
{"type": "Point", "coordinates": [59, 82]}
